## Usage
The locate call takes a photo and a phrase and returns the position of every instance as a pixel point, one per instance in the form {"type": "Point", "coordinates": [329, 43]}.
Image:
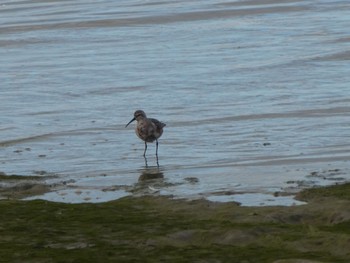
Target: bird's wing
{"type": "Point", "coordinates": [158, 124]}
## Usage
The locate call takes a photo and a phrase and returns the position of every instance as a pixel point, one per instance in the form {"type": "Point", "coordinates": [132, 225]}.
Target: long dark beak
{"type": "Point", "coordinates": [130, 122]}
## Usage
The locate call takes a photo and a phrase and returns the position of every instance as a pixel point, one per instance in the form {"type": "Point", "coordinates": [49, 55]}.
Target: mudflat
{"type": "Point", "coordinates": [161, 229]}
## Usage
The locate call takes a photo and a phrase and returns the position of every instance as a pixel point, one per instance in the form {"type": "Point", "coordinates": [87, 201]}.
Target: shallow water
{"type": "Point", "coordinates": [255, 95]}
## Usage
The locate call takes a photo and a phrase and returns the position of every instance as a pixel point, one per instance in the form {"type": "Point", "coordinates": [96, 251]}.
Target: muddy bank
{"type": "Point", "coordinates": [19, 186]}
{"type": "Point", "coordinates": [154, 229]}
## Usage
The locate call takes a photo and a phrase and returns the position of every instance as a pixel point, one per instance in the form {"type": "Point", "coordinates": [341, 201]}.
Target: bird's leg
{"type": "Point", "coordinates": [146, 163]}
{"type": "Point", "coordinates": [157, 153]}
{"type": "Point", "coordinates": [157, 162]}
{"type": "Point", "coordinates": [157, 148]}
{"type": "Point", "coordinates": [144, 153]}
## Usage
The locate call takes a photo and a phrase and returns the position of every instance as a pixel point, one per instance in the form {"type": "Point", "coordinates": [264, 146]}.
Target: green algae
{"type": "Point", "coordinates": [20, 186]}
{"type": "Point", "coordinates": [159, 229]}
{"type": "Point", "coordinates": [12, 177]}
{"type": "Point", "coordinates": [336, 191]}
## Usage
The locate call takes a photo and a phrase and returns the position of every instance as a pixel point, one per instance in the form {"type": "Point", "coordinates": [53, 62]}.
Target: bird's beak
{"type": "Point", "coordinates": [130, 122]}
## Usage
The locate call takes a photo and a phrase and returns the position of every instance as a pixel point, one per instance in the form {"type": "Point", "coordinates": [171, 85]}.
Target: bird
{"type": "Point", "coordinates": [147, 129]}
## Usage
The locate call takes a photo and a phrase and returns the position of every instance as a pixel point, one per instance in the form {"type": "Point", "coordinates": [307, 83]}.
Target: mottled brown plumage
{"type": "Point", "coordinates": [147, 129]}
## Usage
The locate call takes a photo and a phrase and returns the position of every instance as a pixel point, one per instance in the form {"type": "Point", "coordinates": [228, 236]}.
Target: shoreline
{"type": "Point", "coordinates": [53, 188]}
{"type": "Point", "coordinates": [50, 187]}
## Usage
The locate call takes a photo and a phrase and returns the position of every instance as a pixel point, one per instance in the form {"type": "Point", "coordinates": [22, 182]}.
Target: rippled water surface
{"type": "Point", "coordinates": [255, 95]}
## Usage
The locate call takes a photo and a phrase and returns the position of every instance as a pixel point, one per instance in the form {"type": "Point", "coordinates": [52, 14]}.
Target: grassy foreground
{"type": "Point", "coordinates": [158, 229]}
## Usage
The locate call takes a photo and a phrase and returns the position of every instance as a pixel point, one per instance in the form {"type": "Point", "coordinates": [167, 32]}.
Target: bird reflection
{"type": "Point", "coordinates": [150, 173]}
{"type": "Point", "coordinates": [150, 182]}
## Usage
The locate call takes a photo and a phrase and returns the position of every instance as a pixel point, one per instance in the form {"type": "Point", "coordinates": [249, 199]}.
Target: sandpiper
{"type": "Point", "coordinates": [147, 129]}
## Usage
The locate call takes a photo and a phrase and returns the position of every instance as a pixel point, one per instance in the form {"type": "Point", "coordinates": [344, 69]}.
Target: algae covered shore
{"type": "Point", "coordinates": [160, 229]}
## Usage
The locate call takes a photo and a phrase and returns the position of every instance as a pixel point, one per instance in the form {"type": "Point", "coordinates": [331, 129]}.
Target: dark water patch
{"type": "Point", "coordinates": [136, 21]}
{"type": "Point", "coordinates": [24, 140]}
{"type": "Point", "coordinates": [342, 40]}
{"type": "Point", "coordinates": [111, 90]}
{"type": "Point", "coordinates": [23, 42]}
{"type": "Point", "coordinates": [310, 113]}
{"type": "Point", "coordinates": [263, 2]}
{"type": "Point", "coordinates": [299, 161]}
{"type": "Point", "coordinates": [340, 56]}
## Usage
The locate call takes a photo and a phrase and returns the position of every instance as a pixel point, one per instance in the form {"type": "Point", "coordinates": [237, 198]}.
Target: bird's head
{"type": "Point", "coordinates": [137, 115]}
